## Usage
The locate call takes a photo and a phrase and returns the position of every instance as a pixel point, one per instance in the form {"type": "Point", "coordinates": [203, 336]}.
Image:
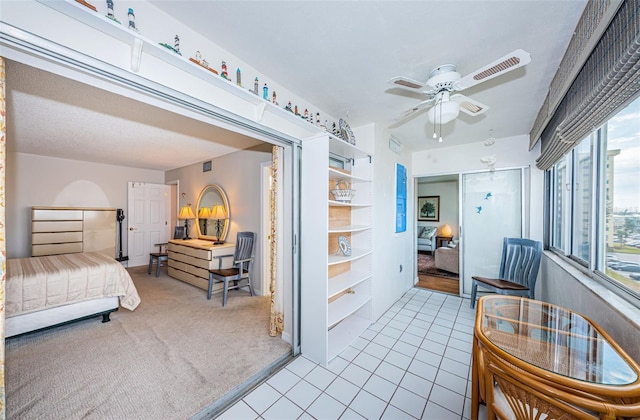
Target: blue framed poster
{"type": "Point", "coordinates": [401, 198]}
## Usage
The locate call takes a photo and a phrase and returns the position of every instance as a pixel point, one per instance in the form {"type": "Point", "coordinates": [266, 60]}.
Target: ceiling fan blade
{"type": "Point", "coordinates": [412, 111]}
{"type": "Point", "coordinates": [406, 83]}
{"type": "Point", "coordinates": [468, 105]}
{"type": "Point", "coordinates": [511, 61]}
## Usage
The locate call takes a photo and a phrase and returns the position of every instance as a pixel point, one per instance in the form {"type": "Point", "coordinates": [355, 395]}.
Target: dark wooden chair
{"type": "Point", "coordinates": [518, 270]}
{"type": "Point", "coordinates": [242, 260]}
{"type": "Point", "coordinates": [158, 257]}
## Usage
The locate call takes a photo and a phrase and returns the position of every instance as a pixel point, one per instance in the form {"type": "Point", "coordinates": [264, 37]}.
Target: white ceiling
{"type": "Point", "coordinates": [338, 55]}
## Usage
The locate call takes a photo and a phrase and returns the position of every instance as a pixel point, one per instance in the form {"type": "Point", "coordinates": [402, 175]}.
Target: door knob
{"type": "Point", "coordinates": [133, 228]}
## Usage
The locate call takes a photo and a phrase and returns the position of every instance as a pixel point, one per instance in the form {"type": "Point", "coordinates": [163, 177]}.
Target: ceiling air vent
{"type": "Point", "coordinates": [473, 108]}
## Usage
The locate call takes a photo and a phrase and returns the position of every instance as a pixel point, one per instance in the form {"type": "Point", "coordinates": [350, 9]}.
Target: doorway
{"type": "Point", "coordinates": [437, 233]}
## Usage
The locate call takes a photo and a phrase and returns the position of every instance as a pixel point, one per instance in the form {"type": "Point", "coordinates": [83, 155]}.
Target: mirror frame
{"type": "Point", "coordinates": [225, 202]}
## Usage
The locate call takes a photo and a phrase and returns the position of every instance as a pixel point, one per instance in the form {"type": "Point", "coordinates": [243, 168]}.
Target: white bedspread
{"type": "Point", "coordinates": [40, 283]}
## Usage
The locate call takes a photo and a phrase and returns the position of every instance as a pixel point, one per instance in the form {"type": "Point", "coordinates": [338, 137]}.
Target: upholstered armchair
{"type": "Point", "coordinates": [448, 258]}
{"type": "Point", "coordinates": [427, 238]}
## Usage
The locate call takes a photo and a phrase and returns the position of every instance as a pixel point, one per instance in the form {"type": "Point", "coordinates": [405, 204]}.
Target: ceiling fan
{"type": "Point", "coordinates": [444, 106]}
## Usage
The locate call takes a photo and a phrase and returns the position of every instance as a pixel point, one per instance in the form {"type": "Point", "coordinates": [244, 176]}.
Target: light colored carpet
{"type": "Point", "coordinates": [174, 355]}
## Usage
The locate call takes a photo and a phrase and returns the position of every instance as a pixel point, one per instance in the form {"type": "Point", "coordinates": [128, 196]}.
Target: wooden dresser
{"type": "Point", "coordinates": [67, 230]}
{"type": "Point", "coordinates": [190, 260]}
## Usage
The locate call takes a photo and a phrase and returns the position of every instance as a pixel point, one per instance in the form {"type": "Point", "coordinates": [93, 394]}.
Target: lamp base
{"type": "Point", "coordinates": [218, 242]}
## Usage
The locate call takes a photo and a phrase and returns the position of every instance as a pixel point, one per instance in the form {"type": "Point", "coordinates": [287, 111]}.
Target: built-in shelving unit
{"type": "Point", "coordinates": [336, 288]}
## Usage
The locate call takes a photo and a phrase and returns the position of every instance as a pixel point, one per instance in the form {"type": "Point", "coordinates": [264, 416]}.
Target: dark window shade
{"type": "Point", "coordinates": [609, 79]}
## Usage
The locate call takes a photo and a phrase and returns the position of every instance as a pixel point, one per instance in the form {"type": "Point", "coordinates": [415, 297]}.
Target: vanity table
{"type": "Point", "coordinates": [190, 260]}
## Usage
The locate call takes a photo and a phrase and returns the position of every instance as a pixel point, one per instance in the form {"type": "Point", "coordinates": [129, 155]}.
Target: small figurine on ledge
{"type": "Point", "coordinates": [265, 92]}
{"type": "Point", "coordinates": [273, 98]}
{"type": "Point", "coordinates": [175, 48]}
{"type": "Point", "coordinates": [110, 13]}
{"type": "Point", "coordinates": [224, 73]}
{"type": "Point", "coordinates": [288, 107]}
{"type": "Point", "coordinates": [255, 86]}
{"type": "Point", "coordinates": [132, 20]}
{"type": "Point", "coordinates": [87, 4]}
{"type": "Point", "coordinates": [238, 77]}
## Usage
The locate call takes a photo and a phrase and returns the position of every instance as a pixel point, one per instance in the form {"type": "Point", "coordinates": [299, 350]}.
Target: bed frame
{"type": "Point", "coordinates": [60, 315]}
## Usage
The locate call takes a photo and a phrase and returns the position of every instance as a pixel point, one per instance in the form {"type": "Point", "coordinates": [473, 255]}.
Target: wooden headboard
{"type": "Point", "coordinates": [67, 230]}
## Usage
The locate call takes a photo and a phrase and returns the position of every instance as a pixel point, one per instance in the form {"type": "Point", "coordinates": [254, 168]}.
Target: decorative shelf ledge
{"type": "Point", "coordinates": [350, 228]}
{"type": "Point", "coordinates": [346, 305]}
{"type": "Point", "coordinates": [355, 255]}
{"type": "Point", "coordinates": [342, 282]}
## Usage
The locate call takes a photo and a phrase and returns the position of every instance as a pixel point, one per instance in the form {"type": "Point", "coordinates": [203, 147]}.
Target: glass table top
{"type": "Point", "coordinates": [553, 338]}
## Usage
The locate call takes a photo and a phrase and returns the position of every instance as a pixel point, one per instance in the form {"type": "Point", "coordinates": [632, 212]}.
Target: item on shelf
{"type": "Point", "coordinates": [344, 245]}
{"type": "Point", "coordinates": [318, 119]}
{"type": "Point", "coordinates": [325, 125]}
{"type": "Point", "coordinates": [346, 133]}
{"type": "Point", "coordinates": [224, 74]}
{"type": "Point", "coordinates": [345, 194]}
{"type": "Point", "coordinates": [176, 45]}
{"type": "Point", "coordinates": [86, 4]}
{"type": "Point", "coordinates": [306, 114]}
{"type": "Point", "coordinates": [265, 92]}
{"type": "Point", "coordinates": [132, 20]}
{"type": "Point", "coordinates": [296, 110]}
{"type": "Point", "coordinates": [202, 62]}
{"type": "Point", "coordinates": [238, 77]}
{"type": "Point", "coordinates": [255, 86]}
{"type": "Point", "coordinates": [334, 130]}
{"type": "Point", "coordinates": [288, 107]}
{"type": "Point", "coordinates": [273, 99]}
{"type": "Point", "coordinates": [110, 13]}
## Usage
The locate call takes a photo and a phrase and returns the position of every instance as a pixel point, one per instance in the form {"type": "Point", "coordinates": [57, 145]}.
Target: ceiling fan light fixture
{"type": "Point", "coordinates": [444, 112]}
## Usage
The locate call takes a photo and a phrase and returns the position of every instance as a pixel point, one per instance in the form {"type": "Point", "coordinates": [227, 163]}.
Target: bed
{"type": "Point", "coordinates": [44, 291]}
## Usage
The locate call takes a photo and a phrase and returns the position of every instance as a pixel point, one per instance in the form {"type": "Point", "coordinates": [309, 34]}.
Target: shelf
{"type": "Point", "coordinates": [344, 306]}
{"type": "Point", "coordinates": [335, 175]}
{"type": "Point", "coordinates": [346, 280]}
{"type": "Point", "coordinates": [343, 204]}
{"type": "Point", "coordinates": [350, 228]}
{"type": "Point", "coordinates": [346, 150]}
{"type": "Point", "coordinates": [343, 334]}
{"type": "Point", "coordinates": [140, 44]}
{"type": "Point", "coordinates": [355, 254]}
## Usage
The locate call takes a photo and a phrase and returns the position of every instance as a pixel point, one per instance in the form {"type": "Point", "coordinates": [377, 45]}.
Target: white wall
{"type": "Point", "coordinates": [448, 193]}
{"type": "Point", "coordinates": [34, 180]}
{"type": "Point", "coordinates": [392, 250]}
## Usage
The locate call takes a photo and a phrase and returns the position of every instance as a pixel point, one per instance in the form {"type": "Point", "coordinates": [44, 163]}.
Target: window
{"type": "Point", "coordinates": [595, 201]}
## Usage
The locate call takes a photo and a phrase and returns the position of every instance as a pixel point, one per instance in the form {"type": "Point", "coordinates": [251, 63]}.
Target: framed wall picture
{"type": "Point", "coordinates": [429, 209]}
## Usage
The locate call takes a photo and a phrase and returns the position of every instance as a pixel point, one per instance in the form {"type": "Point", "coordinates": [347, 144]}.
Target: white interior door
{"type": "Point", "coordinates": [491, 210]}
{"type": "Point", "coordinates": [149, 220]}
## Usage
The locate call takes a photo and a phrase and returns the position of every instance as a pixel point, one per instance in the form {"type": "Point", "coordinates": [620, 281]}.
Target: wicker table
{"type": "Point", "coordinates": [559, 347]}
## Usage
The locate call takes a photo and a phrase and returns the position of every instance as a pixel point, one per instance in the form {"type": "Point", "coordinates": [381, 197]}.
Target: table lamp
{"type": "Point", "coordinates": [186, 213]}
{"type": "Point", "coordinates": [446, 230]}
{"type": "Point", "coordinates": [204, 214]}
{"type": "Point", "coordinates": [218, 213]}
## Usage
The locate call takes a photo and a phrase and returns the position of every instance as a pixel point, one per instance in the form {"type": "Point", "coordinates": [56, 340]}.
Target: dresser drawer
{"type": "Point", "coordinates": [45, 214]}
{"type": "Point", "coordinates": [53, 249]}
{"type": "Point", "coordinates": [67, 226]}
{"type": "Point", "coordinates": [55, 237]}
{"type": "Point", "coordinates": [206, 264]}
{"type": "Point", "coordinates": [203, 254]}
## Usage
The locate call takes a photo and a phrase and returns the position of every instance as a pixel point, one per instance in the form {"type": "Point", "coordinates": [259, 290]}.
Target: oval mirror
{"type": "Point", "coordinates": [212, 214]}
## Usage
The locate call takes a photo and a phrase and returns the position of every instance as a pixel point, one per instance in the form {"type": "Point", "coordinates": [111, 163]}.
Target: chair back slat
{"type": "Point", "coordinates": [245, 242]}
{"type": "Point", "coordinates": [520, 261]}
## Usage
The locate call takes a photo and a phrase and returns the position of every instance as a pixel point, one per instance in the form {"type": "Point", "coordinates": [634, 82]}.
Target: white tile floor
{"type": "Point", "coordinates": [414, 363]}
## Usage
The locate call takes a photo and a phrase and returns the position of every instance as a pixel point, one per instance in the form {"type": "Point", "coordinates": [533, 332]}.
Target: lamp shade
{"type": "Point", "coordinates": [446, 230]}
{"type": "Point", "coordinates": [218, 212]}
{"type": "Point", "coordinates": [186, 213]}
{"type": "Point", "coordinates": [204, 213]}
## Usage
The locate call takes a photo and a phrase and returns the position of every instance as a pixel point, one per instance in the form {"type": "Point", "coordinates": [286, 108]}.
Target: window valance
{"type": "Point", "coordinates": [608, 80]}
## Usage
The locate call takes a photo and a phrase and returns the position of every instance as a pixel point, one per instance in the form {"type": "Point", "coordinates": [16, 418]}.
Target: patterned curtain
{"type": "Point", "coordinates": [276, 323]}
{"type": "Point", "coordinates": [3, 246]}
